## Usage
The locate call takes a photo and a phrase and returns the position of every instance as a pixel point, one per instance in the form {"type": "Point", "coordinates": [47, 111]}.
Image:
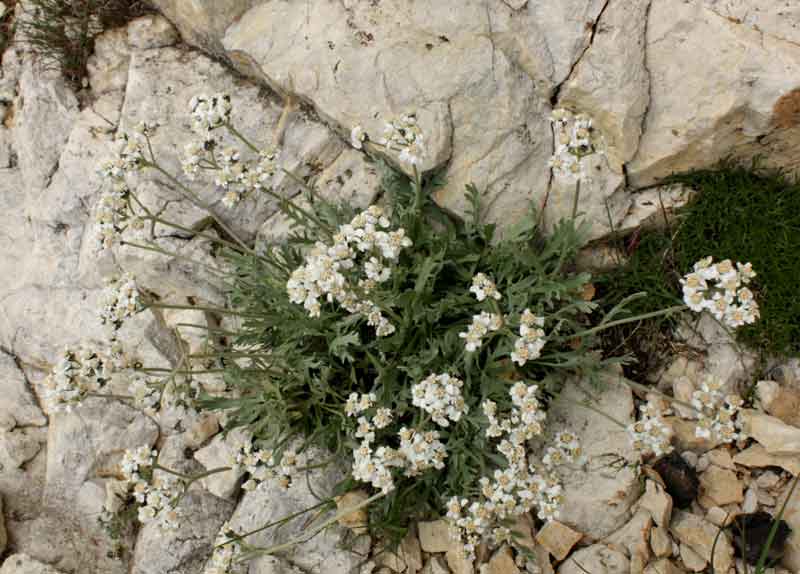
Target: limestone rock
{"type": "Point", "coordinates": [23, 564]}
{"type": "Point", "coordinates": [662, 567]}
{"type": "Point", "coordinates": [17, 402]}
{"type": "Point", "coordinates": [720, 486]}
{"type": "Point", "coordinates": [458, 562]}
{"type": "Point", "coordinates": [108, 65]}
{"type": "Point", "coordinates": [558, 539]}
{"type": "Point", "coordinates": [185, 550]}
{"type": "Point", "coordinates": [597, 498]}
{"type": "Point", "coordinates": [204, 427]}
{"type": "Point", "coordinates": [633, 539]}
{"type": "Point", "coordinates": [91, 440]}
{"type": "Point", "coordinates": [610, 81]}
{"type": "Point", "coordinates": [660, 542]}
{"type": "Point", "coordinates": [654, 208]}
{"type": "Point", "coordinates": [356, 520]}
{"type": "Point", "coordinates": [756, 456]}
{"type": "Point", "coordinates": [785, 405]}
{"type": "Point", "coordinates": [692, 560]}
{"type": "Point", "coordinates": [657, 502]}
{"type": "Point", "coordinates": [501, 562]}
{"type": "Point", "coordinates": [510, 53]}
{"type": "Point", "coordinates": [436, 536]}
{"type": "Point", "coordinates": [46, 111]}
{"type": "Point", "coordinates": [773, 434]}
{"type": "Point", "coordinates": [720, 517]}
{"type": "Point", "coordinates": [151, 31]}
{"type": "Point", "coordinates": [203, 21]}
{"type": "Point", "coordinates": [699, 535]}
{"type": "Point", "coordinates": [219, 452]}
{"type": "Point", "coordinates": [23, 487]}
{"type": "Point", "coordinates": [597, 559]}
{"type": "Point", "coordinates": [324, 553]}
{"type": "Point", "coordinates": [731, 101]}
{"type": "Point", "coordinates": [20, 445]}
{"type": "Point", "coordinates": [3, 533]}
{"type": "Point", "coordinates": [435, 565]}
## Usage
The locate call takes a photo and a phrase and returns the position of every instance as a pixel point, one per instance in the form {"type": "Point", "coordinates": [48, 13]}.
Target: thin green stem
{"type": "Point", "coordinates": [198, 202]}
{"type": "Point", "coordinates": [576, 199]}
{"type": "Point", "coordinates": [274, 523]}
{"type": "Point", "coordinates": [241, 137]}
{"type": "Point", "coordinates": [586, 405]}
{"type": "Point", "coordinates": [773, 531]}
{"type": "Point", "coordinates": [305, 537]}
{"type": "Point", "coordinates": [603, 326]}
{"type": "Point", "coordinates": [154, 249]}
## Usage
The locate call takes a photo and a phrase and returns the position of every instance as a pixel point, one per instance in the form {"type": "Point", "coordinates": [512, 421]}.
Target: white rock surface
{"type": "Point", "coordinates": [23, 564]}
{"type": "Point", "coordinates": [597, 559]}
{"type": "Point", "coordinates": [323, 554]}
{"type": "Point", "coordinates": [717, 87]}
{"type": "Point", "coordinates": [18, 404]}
{"type": "Point", "coordinates": [185, 550]}
{"type": "Point", "coordinates": [699, 535]}
{"type": "Point", "coordinates": [597, 497]}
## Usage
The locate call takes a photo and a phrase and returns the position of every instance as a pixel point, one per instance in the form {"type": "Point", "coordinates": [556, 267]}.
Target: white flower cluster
{"type": "Point", "coordinates": [440, 396]}
{"type": "Point", "coordinates": [129, 153]}
{"type": "Point", "coordinates": [531, 340]}
{"type": "Point", "coordinates": [157, 496]}
{"type": "Point", "coordinates": [520, 486]}
{"type": "Point", "coordinates": [567, 450]}
{"type": "Point", "coordinates": [224, 558]}
{"type": "Point", "coordinates": [111, 213]}
{"type": "Point", "coordinates": [120, 301]}
{"type": "Point", "coordinates": [716, 411]}
{"type": "Point", "coordinates": [261, 465]}
{"type": "Point", "coordinates": [650, 434]}
{"type": "Point", "coordinates": [403, 135]}
{"type": "Point", "coordinates": [574, 141]}
{"type": "Point", "coordinates": [76, 375]}
{"type": "Point", "coordinates": [146, 395]}
{"type": "Point", "coordinates": [481, 326]}
{"type": "Point", "coordinates": [421, 450]}
{"type": "Point", "coordinates": [368, 465]}
{"type": "Point", "coordinates": [366, 237]}
{"type": "Point", "coordinates": [209, 113]}
{"type": "Point", "coordinates": [720, 289]}
{"type": "Point", "coordinates": [483, 287]}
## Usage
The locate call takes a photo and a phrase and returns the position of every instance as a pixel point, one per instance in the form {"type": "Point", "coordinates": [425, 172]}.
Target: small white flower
{"type": "Point", "coordinates": [357, 137]}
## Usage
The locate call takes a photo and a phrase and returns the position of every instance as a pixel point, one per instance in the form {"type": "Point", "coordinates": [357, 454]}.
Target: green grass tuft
{"type": "Point", "coordinates": [62, 32]}
{"type": "Point", "coordinates": [742, 213]}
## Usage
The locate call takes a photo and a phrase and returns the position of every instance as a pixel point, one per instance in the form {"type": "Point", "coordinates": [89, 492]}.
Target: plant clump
{"type": "Point", "coordinates": [418, 347]}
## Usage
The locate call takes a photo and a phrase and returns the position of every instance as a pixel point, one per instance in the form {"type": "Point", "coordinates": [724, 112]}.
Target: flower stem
{"type": "Point", "coordinates": [198, 202]}
{"type": "Point", "coordinates": [274, 523]}
{"type": "Point", "coordinates": [305, 537]}
{"type": "Point", "coordinates": [603, 326]}
{"type": "Point", "coordinates": [154, 249]}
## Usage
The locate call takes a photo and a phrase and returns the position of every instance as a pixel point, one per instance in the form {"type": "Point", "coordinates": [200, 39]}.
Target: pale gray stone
{"type": "Point", "coordinates": [185, 550]}
{"type": "Point", "coordinates": [323, 554]}
{"type": "Point", "coordinates": [598, 496]}
{"type": "Point", "coordinates": [597, 559]}
{"type": "Point", "coordinates": [23, 564]}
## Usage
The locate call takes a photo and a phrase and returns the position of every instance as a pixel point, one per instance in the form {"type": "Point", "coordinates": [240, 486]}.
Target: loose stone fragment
{"type": "Point", "coordinates": [558, 539]}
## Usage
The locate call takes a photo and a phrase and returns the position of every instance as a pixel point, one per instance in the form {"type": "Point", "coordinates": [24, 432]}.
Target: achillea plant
{"type": "Point", "coordinates": [412, 344]}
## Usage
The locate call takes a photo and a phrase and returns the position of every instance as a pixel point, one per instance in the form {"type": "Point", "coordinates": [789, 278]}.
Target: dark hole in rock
{"type": "Point", "coordinates": [750, 533]}
{"type": "Point", "coordinates": [680, 479]}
